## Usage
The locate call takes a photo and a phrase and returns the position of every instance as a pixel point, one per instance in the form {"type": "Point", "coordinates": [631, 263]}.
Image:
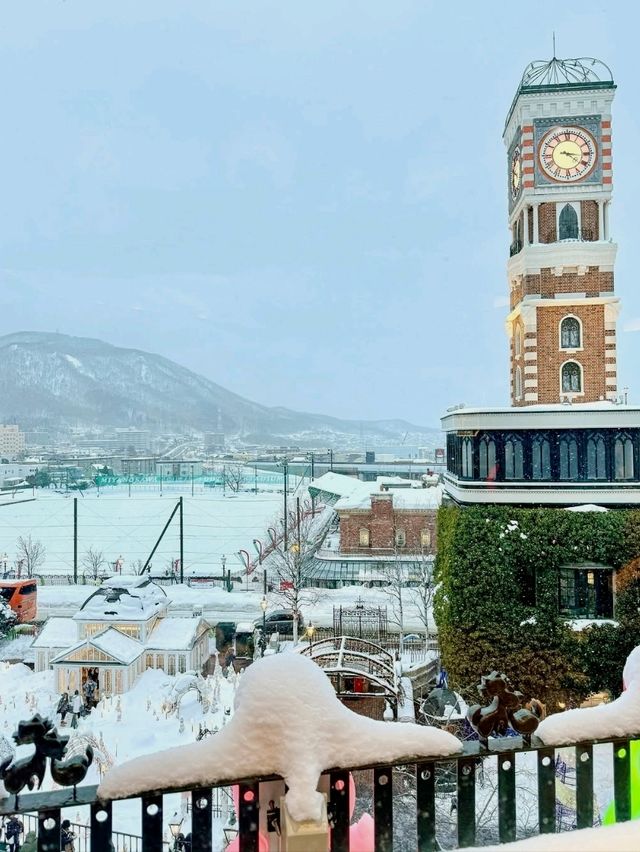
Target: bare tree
{"type": "Point", "coordinates": [395, 574]}
{"type": "Point", "coordinates": [290, 566]}
{"type": "Point", "coordinates": [30, 555]}
{"type": "Point", "coordinates": [233, 476]}
{"type": "Point", "coordinates": [93, 560]}
{"type": "Point", "coordinates": [424, 593]}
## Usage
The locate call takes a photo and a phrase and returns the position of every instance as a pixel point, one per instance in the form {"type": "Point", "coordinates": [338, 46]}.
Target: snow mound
{"type": "Point", "coordinates": [288, 721]}
{"type": "Point", "coordinates": [623, 837]}
{"type": "Point", "coordinates": [620, 718]}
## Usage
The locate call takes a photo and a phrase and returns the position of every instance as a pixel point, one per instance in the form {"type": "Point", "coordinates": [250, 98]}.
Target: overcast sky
{"type": "Point", "coordinates": [303, 200]}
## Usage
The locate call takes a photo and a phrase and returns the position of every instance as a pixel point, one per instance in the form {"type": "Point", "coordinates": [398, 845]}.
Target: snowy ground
{"type": "Point", "coordinates": [215, 524]}
{"type": "Point", "coordinates": [139, 727]}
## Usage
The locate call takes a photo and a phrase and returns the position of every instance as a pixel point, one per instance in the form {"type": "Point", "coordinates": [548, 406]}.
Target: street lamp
{"type": "Point", "coordinates": [310, 631]}
{"type": "Point", "coordinates": [175, 824]}
{"type": "Point", "coordinates": [264, 604]}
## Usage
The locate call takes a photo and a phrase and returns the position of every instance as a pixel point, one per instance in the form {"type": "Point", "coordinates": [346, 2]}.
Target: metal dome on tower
{"type": "Point", "coordinates": [562, 72]}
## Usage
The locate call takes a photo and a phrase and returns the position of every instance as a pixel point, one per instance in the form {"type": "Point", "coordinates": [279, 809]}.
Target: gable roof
{"type": "Point", "coordinates": [122, 649]}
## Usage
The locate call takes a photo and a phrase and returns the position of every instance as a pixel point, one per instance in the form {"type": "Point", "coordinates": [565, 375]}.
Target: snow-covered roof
{"type": "Point", "coordinates": [174, 634]}
{"type": "Point", "coordinates": [111, 641]}
{"type": "Point", "coordinates": [336, 484]}
{"type": "Point", "coordinates": [126, 598]}
{"type": "Point", "coordinates": [57, 633]}
{"type": "Point", "coordinates": [404, 498]}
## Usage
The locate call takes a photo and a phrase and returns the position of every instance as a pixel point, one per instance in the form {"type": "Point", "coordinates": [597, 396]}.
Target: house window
{"type": "Point", "coordinates": [118, 682]}
{"type": "Point", "coordinates": [425, 538]}
{"type": "Point", "coordinates": [518, 383]}
{"type": "Point", "coordinates": [487, 458]}
{"type": "Point", "coordinates": [171, 664]}
{"type": "Point", "coordinates": [513, 457]}
{"type": "Point", "coordinates": [149, 661]}
{"type": "Point", "coordinates": [623, 457]}
{"type": "Point", "coordinates": [571, 380]}
{"type": "Point", "coordinates": [364, 538]}
{"type": "Point", "coordinates": [400, 538]}
{"type": "Point", "coordinates": [568, 223]}
{"type": "Point", "coordinates": [585, 592]}
{"type": "Point", "coordinates": [540, 458]}
{"type": "Point", "coordinates": [182, 663]}
{"type": "Point", "coordinates": [596, 457]}
{"type": "Point", "coordinates": [570, 333]}
{"type": "Point", "coordinates": [568, 458]}
{"type": "Point", "coordinates": [467, 458]}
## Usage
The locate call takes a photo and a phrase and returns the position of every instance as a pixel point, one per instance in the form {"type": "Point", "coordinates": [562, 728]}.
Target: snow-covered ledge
{"type": "Point", "coordinates": [620, 718]}
{"type": "Point", "coordinates": [288, 721]}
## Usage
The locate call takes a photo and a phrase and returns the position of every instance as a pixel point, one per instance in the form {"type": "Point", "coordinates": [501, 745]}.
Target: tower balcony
{"type": "Point", "coordinates": [579, 253]}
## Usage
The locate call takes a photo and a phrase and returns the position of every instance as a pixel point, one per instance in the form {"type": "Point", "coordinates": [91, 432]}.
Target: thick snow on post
{"type": "Point", "coordinates": [288, 721]}
{"type": "Point", "coordinates": [620, 718]}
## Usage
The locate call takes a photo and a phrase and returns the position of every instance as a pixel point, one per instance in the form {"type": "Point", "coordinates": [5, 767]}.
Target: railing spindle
{"type": "Point", "coordinates": [546, 790]}
{"type": "Point", "coordinates": [201, 820]}
{"type": "Point", "coordinates": [101, 826]}
{"type": "Point", "coordinates": [339, 808]}
{"type": "Point", "coordinates": [467, 801]}
{"type": "Point", "coordinates": [584, 785]}
{"type": "Point", "coordinates": [151, 823]}
{"type": "Point", "coordinates": [507, 796]}
{"type": "Point", "coordinates": [383, 808]}
{"type": "Point", "coordinates": [248, 822]}
{"type": "Point", "coordinates": [49, 830]}
{"type": "Point", "coordinates": [426, 806]}
{"type": "Point", "coordinates": [622, 780]}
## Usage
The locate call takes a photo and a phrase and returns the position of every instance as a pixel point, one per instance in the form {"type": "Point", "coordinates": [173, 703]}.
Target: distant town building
{"type": "Point", "coordinates": [179, 468]}
{"type": "Point", "coordinates": [11, 442]}
{"type": "Point", "coordinates": [13, 474]}
{"type": "Point", "coordinates": [213, 442]}
{"type": "Point", "coordinates": [139, 439]}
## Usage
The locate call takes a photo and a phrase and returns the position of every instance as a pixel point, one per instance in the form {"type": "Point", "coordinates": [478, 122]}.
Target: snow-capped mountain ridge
{"type": "Point", "coordinates": [55, 380]}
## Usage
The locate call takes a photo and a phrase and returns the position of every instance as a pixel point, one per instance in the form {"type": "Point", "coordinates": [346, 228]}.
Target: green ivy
{"type": "Point", "coordinates": [488, 557]}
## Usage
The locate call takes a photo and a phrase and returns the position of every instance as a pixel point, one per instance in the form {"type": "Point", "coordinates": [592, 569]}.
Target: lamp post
{"type": "Point", "coordinates": [175, 824]}
{"type": "Point", "coordinates": [263, 642]}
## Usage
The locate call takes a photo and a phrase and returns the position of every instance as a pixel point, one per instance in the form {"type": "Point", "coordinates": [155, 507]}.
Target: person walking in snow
{"type": "Point", "coordinates": [76, 708]}
{"type": "Point", "coordinates": [12, 831]}
{"type": "Point", "coordinates": [67, 837]}
{"type": "Point", "coordinates": [63, 706]}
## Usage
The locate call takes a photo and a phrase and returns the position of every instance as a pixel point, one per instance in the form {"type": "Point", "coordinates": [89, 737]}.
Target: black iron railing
{"type": "Point", "coordinates": [459, 781]}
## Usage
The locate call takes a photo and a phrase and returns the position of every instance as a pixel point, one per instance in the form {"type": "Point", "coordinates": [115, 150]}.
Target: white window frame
{"type": "Point", "coordinates": [560, 346]}
{"type": "Point", "coordinates": [571, 394]}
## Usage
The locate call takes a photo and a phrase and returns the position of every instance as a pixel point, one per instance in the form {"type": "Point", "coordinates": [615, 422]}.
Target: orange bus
{"type": "Point", "coordinates": [22, 597]}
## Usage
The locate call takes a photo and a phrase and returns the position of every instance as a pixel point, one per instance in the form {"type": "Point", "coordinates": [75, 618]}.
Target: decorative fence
{"type": "Point", "coordinates": [422, 784]}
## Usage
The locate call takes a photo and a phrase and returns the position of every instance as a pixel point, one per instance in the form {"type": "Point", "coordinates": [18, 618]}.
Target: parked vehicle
{"type": "Point", "coordinates": [281, 621]}
{"type": "Point", "coordinates": [22, 597]}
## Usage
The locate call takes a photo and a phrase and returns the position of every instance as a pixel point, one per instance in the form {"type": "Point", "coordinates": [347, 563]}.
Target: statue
{"type": "Point", "coordinates": [504, 709]}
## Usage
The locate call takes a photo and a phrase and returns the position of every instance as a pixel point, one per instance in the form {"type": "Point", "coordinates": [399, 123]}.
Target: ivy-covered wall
{"type": "Point", "coordinates": [496, 605]}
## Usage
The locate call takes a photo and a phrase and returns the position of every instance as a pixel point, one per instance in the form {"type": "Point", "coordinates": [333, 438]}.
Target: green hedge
{"type": "Point", "coordinates": [489, 556]}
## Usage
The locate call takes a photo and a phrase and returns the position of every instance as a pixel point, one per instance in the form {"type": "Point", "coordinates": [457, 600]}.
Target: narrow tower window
{"type": "Point", "coordinates": [570, 333]}
{"type": "Point", "coordinates": [596, 458]}
{"type": "Point", "coordinates": [623, 457]}
{"type": "Point", "coordinates": [571, 377]}
{"type": "Point", "coordinates": [518, 383]}
{"type": "Point", "coordinates": [487, 458]}
{"type": "Point", "coordinates": [513, 457]}
{"type": "Point", "coordinates": [568, 223]}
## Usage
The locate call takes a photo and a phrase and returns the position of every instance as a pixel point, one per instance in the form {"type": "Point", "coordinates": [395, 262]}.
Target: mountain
{"type": "Point", "coordinates": [55, 380]}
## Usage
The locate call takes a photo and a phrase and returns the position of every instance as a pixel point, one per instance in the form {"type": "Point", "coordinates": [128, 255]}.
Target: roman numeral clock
{"type": "Point", "coordinates": [563, 309]}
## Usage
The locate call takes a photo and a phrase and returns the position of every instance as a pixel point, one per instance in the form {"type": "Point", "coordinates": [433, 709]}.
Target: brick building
{"type": "Point", "coordinates": [563, 309]}
{"type": "Point", "coordinates": [388, 522]}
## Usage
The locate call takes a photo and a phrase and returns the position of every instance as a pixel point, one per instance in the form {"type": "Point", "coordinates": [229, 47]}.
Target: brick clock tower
{"type": "Point", "coordinates": [563, 310]}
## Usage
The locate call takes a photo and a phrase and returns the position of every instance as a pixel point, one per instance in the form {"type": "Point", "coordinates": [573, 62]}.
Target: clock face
{"type": "Point", "coordinates": [567, 154]}
{"type": "Point", "coordinates": [515, 176]}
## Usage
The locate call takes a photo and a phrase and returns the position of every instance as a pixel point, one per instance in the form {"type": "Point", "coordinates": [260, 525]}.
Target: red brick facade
{"type": "Point", "coordinates": [380, 529]}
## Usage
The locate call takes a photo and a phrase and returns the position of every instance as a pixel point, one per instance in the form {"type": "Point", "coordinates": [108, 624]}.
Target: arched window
{"type": "Point", "coordinates": [518, 341]}
{"type": "Point", "coordinates": [568, 458]}
{"type": "Point", "coordinates": [425, 538]}
{"type": "Point", "coordinates": [400, 538]}
{"type": "Point", "coordinates": [571, 377]}
{"type": "Point", "coordinates": [513, 457]}
{"type": "Point", "coordinates": [623, 457]}
{"type": "Point", "coordinates": [570, 333]}
{"type": "Point", "coordinates": [540, 457]}
{"type": "Point", "coordinates": [568, 223]}
{"type": "Point", "coordinates": [487, 458]}
{"type": "Point", "coordinates": [518, 383]}
{"type": "Point", "coordinates": [364, 537]}
{"type": "Point", "coordinates": [596, 457]}
{"type": "Point", "coordinates": [467, 458]}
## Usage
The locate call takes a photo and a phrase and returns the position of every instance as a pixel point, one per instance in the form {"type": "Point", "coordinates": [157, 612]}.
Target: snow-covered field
{"type": "Point", "coordinates": [215, 525]}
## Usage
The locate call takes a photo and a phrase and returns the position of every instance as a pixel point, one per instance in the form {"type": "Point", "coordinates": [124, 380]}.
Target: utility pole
{"type": "Point", "coordinates": [255, 478]}
{"type": "Point", "coordinates": [192, 479]}
{"type": "Point", "coordinates": [225, 582]}
{"type": "Point", "coordinates": [161, 480]}
{"type": "Point", "coordinates": [298, 524]}
{"type": "Point", "coordinates": [330, 459]}
{"type": "Point", "coordinates": [285, 468]}
{"type": "Point", "coordinates": [313, 476]}
{"type": "Point", "coordinates": [75, 540]}
{"type": "Point", "coordinates": [181, 542]}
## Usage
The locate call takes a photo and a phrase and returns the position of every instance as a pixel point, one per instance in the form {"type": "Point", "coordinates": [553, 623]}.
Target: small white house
{"type": "Point", "coordinates": [121, 630]}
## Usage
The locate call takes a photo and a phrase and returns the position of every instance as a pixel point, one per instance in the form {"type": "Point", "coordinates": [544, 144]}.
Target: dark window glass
{"type": "Point", "coordinates": [596, 458]}
{"type": "Point", "coordinates": [513, 457]}
{"type": "Point", "coordinates": [568, 223]}
{"type": "Point", "coordinates": [623, 457]}
{"type": "Point", "coordinates": [571, 378]}
{"type": "Point", "coordinates": [568, 458]}
{"type": "Point", "coordinates": [570, 333]}
{"type": "Point", "coordinates": [540, 458]}
{"type": "Point", "coordinates": [585, 592]}
{"type": "Point", "coordinates": [467, 458]}
{"type": "Point", "coordinates": [7, 594]}
{"type": "Point", "coordinates": [487, 458]}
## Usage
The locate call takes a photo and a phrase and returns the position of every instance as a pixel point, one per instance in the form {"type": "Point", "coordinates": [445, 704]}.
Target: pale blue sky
{"type": "Point", "coordinates": [304, 201]}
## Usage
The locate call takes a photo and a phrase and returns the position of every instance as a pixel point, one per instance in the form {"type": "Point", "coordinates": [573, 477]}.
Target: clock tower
{"type": "Point", "coordinates": [563, 309]}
